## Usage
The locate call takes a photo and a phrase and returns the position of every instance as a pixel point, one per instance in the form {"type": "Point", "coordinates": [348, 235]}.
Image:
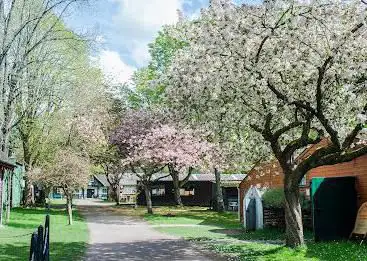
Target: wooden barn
{"type": "Point", "coordinates": [198, 191]}
{"type": "Point", "coordinates": [334, 179]}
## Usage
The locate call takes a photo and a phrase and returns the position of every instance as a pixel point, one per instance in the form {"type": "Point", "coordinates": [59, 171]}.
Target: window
{"type": "Point", "coordinates": [123, 199]}
{"type": "Point", "coordinates": [158, 191]}
{"type": "Point", "coordinates": [104, 191]}
{"type": "Point", "coordinates": [187, 192]}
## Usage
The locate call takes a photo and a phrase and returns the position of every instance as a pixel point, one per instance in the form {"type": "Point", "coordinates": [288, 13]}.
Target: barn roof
{"type": "Point", "coordinates": [202, 177]}
{"type": "Point", "coordinates": [6, 165]}
{"type": "Point", "coordinates": [130, 179]}
{"type": "Point", "coordinates": [102, 179]}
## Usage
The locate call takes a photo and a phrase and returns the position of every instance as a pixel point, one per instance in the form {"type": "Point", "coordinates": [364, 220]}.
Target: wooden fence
{"type": "Point", "coordinates": [40, 243]}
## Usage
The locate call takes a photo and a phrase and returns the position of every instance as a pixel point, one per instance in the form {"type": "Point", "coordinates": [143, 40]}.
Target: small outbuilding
{"type": "Point", "coordinates": [253, 207]}
{"type": "Point", "coordinates": [265, 175]}
{"type": "Point", "coordinates": [5, 167]}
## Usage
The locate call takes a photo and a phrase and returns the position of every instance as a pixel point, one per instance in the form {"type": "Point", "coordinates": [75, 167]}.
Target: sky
{"type": "Point", "coordinates": [124, 28]}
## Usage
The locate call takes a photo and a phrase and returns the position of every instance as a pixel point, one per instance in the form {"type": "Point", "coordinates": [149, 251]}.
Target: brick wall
{"type": "Point", "coordinates": [271, 175]}
{"type": "Point", "coordinates": [356, 167]}
{"type": "Point", "coordinates": [268, 175]}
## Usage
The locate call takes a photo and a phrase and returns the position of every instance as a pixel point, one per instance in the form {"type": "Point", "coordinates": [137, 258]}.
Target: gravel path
{"type": "Point", "coordinates": [117, 238]}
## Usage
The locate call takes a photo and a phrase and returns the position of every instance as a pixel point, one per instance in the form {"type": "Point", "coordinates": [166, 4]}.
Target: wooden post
{"type": "Point", "coordinates": [40, 243]}
{"type": "Point", "coordinates": [33, 248]}
{"type": "Point", "coordinates": [46, 240]}
{"type": "Point", "coordinates": [9, 195]}
{"type": "Point", "coordinates": [1, 195]}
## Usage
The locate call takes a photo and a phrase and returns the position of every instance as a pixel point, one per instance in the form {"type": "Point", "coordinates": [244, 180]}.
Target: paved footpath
{"type": "Point", "coordinates": [114, 237]}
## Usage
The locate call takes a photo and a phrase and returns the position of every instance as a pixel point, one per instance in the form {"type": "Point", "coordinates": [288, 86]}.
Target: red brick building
{"type": "Point", "coordinates": [270, 175]}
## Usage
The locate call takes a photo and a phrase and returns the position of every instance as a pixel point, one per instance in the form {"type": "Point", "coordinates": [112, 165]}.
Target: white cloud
{"type": "Point", "coordinates": [114, 69]}
{"type": "Point", "coordinates": [138, 21]}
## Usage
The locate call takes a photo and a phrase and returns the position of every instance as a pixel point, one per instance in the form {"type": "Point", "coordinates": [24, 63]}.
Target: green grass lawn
{"type": "Point", "coordinates": [204, 223]}
{"type": "Point", "coordinates": [67, 243]}
{"type": "Point", "coordinates": [223, 233]}
{"type": "Point", "coordinates": [57, 202]}
{"type": "Point", "coordinates": [333, 251]}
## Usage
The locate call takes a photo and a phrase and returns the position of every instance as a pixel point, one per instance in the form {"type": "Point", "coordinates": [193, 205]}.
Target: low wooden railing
{"type": "Point", "coordinates": [40, 243]}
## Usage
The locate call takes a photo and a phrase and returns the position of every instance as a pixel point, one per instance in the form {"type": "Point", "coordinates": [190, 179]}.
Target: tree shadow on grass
{"type": "Point", "coordinates": [37, 211]}
{"type": "Point", "coordinates": [206, 217]}
{"type": "Point", "coordinates": [266, 234]}
{"type": "Point", "coordinates": [21, 225]}
{"type": "Point", "coordinates": [72, 251]}
{"type": "Point", "coordinates": [249, 251]}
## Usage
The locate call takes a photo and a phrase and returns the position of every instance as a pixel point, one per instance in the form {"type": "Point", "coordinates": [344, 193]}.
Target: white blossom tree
{"type": "Point", "coordinates": [69, 170]}
{"type": "Point", "coordinates": [286, 74]}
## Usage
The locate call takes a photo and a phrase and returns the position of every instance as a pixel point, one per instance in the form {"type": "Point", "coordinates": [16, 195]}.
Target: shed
{"type": "Point", "coordinates": [253, 208]}
{"type": "Point", "coordinates": [13, 182]}
{"type": "Point", "coordinates": [4, 167]}
{"type": "Point", "coordinates": [270, 175]}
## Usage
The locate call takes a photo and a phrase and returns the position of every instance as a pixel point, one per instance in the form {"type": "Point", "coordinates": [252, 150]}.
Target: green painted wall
{"type": "Point", "coordinates": [17, 186]}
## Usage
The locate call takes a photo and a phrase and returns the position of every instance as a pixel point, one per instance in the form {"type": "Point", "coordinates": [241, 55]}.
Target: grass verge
{"type": "Point", "coordinates": [223, 233]}
{"type": "Point", "coordinates": [68, 243]}
{"type": "Point", "coordinates": [327, 251]}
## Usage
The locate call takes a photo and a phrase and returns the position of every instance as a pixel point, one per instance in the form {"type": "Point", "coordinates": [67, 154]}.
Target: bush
{"type": "Point", "coordinates": [274, 198]}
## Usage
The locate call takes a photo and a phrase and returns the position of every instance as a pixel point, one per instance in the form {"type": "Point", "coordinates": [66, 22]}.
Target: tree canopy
{"type": "Point", "coordinates": [285, 74]}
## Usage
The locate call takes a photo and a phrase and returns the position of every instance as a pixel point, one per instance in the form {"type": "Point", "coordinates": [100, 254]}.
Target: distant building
{"type": "Point", "coordinates": [99, 188]}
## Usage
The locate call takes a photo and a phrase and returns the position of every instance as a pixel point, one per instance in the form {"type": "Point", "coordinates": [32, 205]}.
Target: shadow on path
{"type": "Point", "coordinates": [115, 237]}
{"type": "Point", "coordinates": [163, 250]}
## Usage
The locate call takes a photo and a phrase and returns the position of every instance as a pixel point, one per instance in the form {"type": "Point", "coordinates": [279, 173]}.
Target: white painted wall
{"type": "Point", "coordinates": [254, 193]}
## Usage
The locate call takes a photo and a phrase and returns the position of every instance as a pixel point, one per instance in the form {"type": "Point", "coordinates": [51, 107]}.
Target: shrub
{"type": "Point", "coordinates": [274, 198]}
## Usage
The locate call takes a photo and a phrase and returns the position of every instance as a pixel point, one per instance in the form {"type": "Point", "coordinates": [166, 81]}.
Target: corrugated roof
{"type": "Point", "coordinates": [6, 164]}
{"type": "Point", "coordinates": [132, 179]}
{"type": "Point", "coordinates": [127, 179]}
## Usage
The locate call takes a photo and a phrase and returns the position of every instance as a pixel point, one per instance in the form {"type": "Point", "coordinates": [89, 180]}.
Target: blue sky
{"type": "Point", "coordinates": [125, 27]}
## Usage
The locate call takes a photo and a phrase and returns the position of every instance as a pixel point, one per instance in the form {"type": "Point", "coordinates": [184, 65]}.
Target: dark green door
{"type": "Point", "coordinates": [251, 215]}
{"type": "Point", "coordinates": [334, 205]}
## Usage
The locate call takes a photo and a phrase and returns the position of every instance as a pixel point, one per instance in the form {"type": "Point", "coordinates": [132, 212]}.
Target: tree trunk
{"type": "Point", "coordinates": [8, 201]}
{"type": "Point", "coordinates": [219, 194]}
{"type": "Point", "coordinates": [28, 199]}
{"type": "Point", "coordinates": [69, 208]}
{"type": "Point", "coordinates": [176, 187]}
{"type": "Point", "coordinates": [148, 199]}
{"type": "Point", "coordinates": [293, 216]}
{"type": "Point", "coordinates": [117, 194]}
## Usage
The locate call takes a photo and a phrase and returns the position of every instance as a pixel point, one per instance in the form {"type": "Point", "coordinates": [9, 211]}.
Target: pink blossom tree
{"type": "Point", "coordinates": [178, 149]}
{"type": "Point", "coordinates": [148, 146]}
{"type": "Point", "coordinates": [134, 126]}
